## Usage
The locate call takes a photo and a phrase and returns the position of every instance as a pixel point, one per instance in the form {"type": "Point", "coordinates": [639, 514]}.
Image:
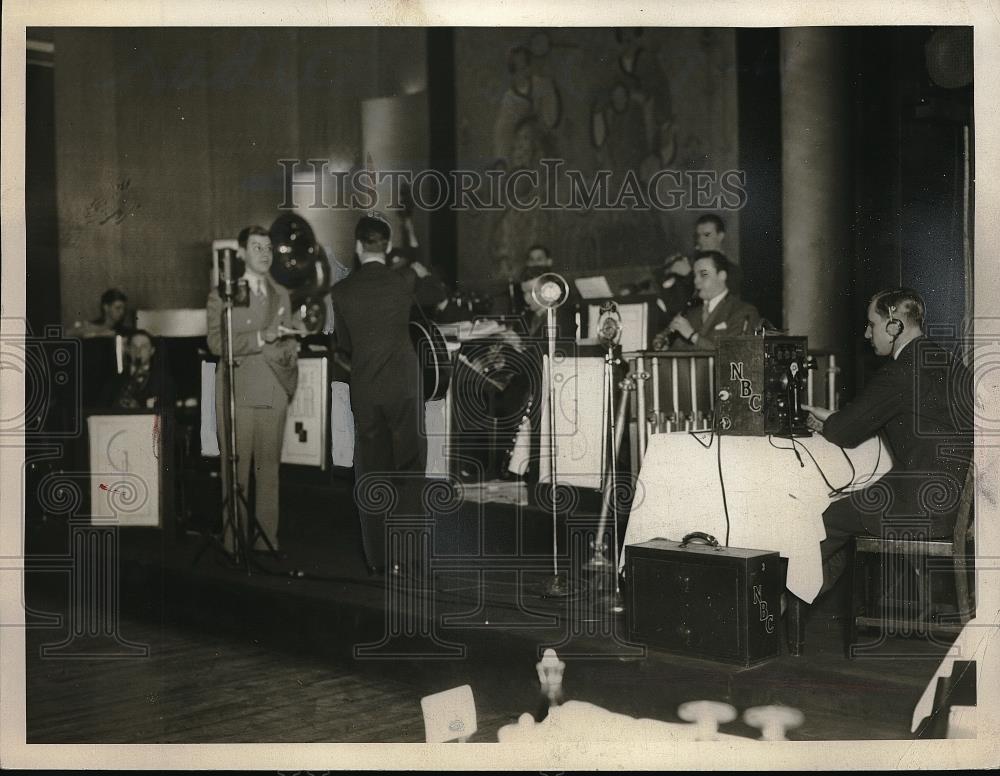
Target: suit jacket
{"type": "Point", "coordinates": [916, 401]}
{"type": "Point", "coordinates": [371, 309]}
{"type": "Point", "coordinates": [261, 369]}
{"type": "Point", "coordinates": [535, 325]}
{"type": "Point", "coordinates": [730, 317]}
{"type": "Point", "coordinates": [128, 391]}
{"type": "Point", "coordinates": [428, 291]}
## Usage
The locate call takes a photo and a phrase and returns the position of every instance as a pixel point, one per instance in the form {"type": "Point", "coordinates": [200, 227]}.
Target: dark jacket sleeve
{"type": "Point", "coordinates": [340, 330]}
{"type": "Point", "coordinates": [877, 403]}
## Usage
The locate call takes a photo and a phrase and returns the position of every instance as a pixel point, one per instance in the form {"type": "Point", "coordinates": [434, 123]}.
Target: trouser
{"type": "Point", "coordinates": [847, 518]}
{"type": "Point", "coordinates": [260, 433]}
{"type": "Point", "coordinates": [390, 461]}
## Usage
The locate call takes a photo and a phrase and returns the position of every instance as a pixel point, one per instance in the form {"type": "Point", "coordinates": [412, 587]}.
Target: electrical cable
{"type": "Point", "coordinates": [833, 490]}
{"type": "Point", "coordinates": [722, 485]}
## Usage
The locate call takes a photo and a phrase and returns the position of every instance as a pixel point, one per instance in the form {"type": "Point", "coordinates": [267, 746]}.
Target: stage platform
{"type": "Point", "coordinates": [483, 621]}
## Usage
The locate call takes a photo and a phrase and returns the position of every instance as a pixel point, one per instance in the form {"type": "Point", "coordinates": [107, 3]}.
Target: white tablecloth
{"type": "Point", "coordinates": [774, 503]}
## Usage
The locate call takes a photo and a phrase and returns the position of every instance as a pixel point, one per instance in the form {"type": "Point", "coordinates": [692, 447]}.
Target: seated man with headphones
{"type": "Point", "coordinates": [914, 402]}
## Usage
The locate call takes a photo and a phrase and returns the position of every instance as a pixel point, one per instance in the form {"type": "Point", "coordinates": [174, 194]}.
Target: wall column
{"type": "Point", "coordinates": [816, 123]}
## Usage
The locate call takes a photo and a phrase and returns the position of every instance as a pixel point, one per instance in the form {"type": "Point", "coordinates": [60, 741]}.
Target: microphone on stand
{"type": "Point", "coordinates": [610, 328]}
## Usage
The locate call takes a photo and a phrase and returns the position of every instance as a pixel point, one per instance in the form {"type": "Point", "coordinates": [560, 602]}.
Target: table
{"type": "Point", "coordinates": [773, 502]}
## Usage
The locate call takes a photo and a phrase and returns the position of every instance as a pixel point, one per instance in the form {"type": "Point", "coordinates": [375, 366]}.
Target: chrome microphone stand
{"type": "Point", "coordinates": [612, 431]}
{"type": "Point", "coordinates": [233, 496]}
{"type": "Point", "coordinates": [551, 291]}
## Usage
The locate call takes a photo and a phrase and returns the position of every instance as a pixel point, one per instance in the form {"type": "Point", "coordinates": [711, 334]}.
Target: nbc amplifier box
{"type": "Point", "coordinates": [704, 601]}
{"type": "Point", "coordinates": [761, 383]}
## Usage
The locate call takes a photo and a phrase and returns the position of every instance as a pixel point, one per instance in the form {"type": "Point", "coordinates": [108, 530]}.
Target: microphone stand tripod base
{"type": "Point", "coordinates": [598, 561]}
{"type": "Point", "coordinates": [556, 586]}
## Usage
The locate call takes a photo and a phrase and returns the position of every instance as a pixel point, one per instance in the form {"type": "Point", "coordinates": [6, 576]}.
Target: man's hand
{"type": "Point", "coordinates": [270, 334]}
{"type": "Point", "coordinates": [661, 340]}
{"type": "Point", "coordinates": [681, 326]}
{"type": "Point", "coordinates": [817, 417]}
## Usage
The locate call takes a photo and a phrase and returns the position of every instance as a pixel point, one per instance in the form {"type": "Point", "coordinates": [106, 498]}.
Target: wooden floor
{"type": "Point", "coordinates": [270, 658]}
{"type": "Point", "coordinates": [201, 685]}
{"type": "Point", "coordinates": [196, 688]}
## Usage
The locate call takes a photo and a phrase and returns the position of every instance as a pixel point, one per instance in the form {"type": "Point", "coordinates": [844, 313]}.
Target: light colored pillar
{"type": "Point", "coordinates": [816, 122]}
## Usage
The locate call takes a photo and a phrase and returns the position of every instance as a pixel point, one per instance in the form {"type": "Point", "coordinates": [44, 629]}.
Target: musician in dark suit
{"type": "Point", "coordinates": [720, 313]}
{"type": "Point", "coordinates": [914, 404]}
{"type": "Point", "coordinates": [709, 235]}
{"type": "Point", "coordinates": [266, 375]}
{"type": "Point", "coordinates": [371, 322]}
{"type": "Point", "coordinates": [145, 382]}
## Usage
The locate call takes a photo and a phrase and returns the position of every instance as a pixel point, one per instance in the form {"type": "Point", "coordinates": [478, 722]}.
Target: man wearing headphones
{"type": "Point", "coordinates": [914, 403]}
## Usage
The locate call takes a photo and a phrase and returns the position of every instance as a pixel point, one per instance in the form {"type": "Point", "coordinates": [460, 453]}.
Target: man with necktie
{"type": "Point", "coordinates": [721, 312]}
{"type": "Point", "coordinates": [264, 380]}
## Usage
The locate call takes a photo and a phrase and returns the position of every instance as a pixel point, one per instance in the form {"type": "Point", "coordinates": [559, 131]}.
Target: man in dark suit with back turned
{"type": "Point", "coordinates": [266, 375]}
{"type": "Point", "coordinates": [913, 403]}
{"type": "Point", "coordinates": [371, 322]}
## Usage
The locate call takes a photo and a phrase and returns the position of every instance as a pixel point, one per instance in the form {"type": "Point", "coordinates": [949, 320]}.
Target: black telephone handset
{"type": "Point", "coordinates": [699, 537]}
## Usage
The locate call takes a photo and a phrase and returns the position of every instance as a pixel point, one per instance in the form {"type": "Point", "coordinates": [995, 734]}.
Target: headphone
{"type": "Point", "coordinates": [893, 326]}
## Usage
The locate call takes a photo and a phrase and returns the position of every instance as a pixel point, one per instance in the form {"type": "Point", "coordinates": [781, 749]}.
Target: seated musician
{"type": "Point", "coordinates": [721, 312]}
{"type": "Point", "coordinates": [145, 382]}
{"type": "Point", "coordinates": [113, 320]}
{"type": "Point", "coordinates": [912, 403]}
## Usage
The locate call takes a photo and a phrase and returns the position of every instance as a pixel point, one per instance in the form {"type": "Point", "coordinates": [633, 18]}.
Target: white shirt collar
{"type": "Point", "coordinates": [256, 282]}
{"type": "Point", "coordinates": [715, 300]}
{"type": "Point", "coordinates": [368, 258]}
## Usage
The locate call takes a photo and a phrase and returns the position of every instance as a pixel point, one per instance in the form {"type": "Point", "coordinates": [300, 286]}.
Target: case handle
{"type": "Point", "coordinates": [701, 537]}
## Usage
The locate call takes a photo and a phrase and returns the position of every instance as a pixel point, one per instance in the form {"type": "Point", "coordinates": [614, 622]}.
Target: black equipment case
{"type": "Point", "coordinates": [703, 600]}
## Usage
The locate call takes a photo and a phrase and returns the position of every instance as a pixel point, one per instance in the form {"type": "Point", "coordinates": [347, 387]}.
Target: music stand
{"type": "Point", "coordinates": [243, 535]}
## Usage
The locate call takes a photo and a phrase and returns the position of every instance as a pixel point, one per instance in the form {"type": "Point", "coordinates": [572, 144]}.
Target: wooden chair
{"type": "Point", "coordinates": [921, 556]}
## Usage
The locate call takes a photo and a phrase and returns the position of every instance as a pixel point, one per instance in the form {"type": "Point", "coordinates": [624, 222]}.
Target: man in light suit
{"type": "Point", "coordinates": [721, 313]}
{"type": "Point", "coordinates": [371, 322]}
{"type": "Point", "coordinates": [265, 377]}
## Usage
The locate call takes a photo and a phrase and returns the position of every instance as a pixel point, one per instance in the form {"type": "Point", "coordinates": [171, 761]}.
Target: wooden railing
{"type": "Point", "coordinates": [675, 391]}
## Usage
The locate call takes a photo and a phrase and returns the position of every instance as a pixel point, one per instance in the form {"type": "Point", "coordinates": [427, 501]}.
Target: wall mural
{"type": "Point", "coordinates": [631, 101]}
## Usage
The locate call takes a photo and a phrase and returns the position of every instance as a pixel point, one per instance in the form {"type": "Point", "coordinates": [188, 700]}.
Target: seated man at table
{"type": "Point", "coordinates": [913, 403]}
{"type": "Point", "coordinates": [720, 313]}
